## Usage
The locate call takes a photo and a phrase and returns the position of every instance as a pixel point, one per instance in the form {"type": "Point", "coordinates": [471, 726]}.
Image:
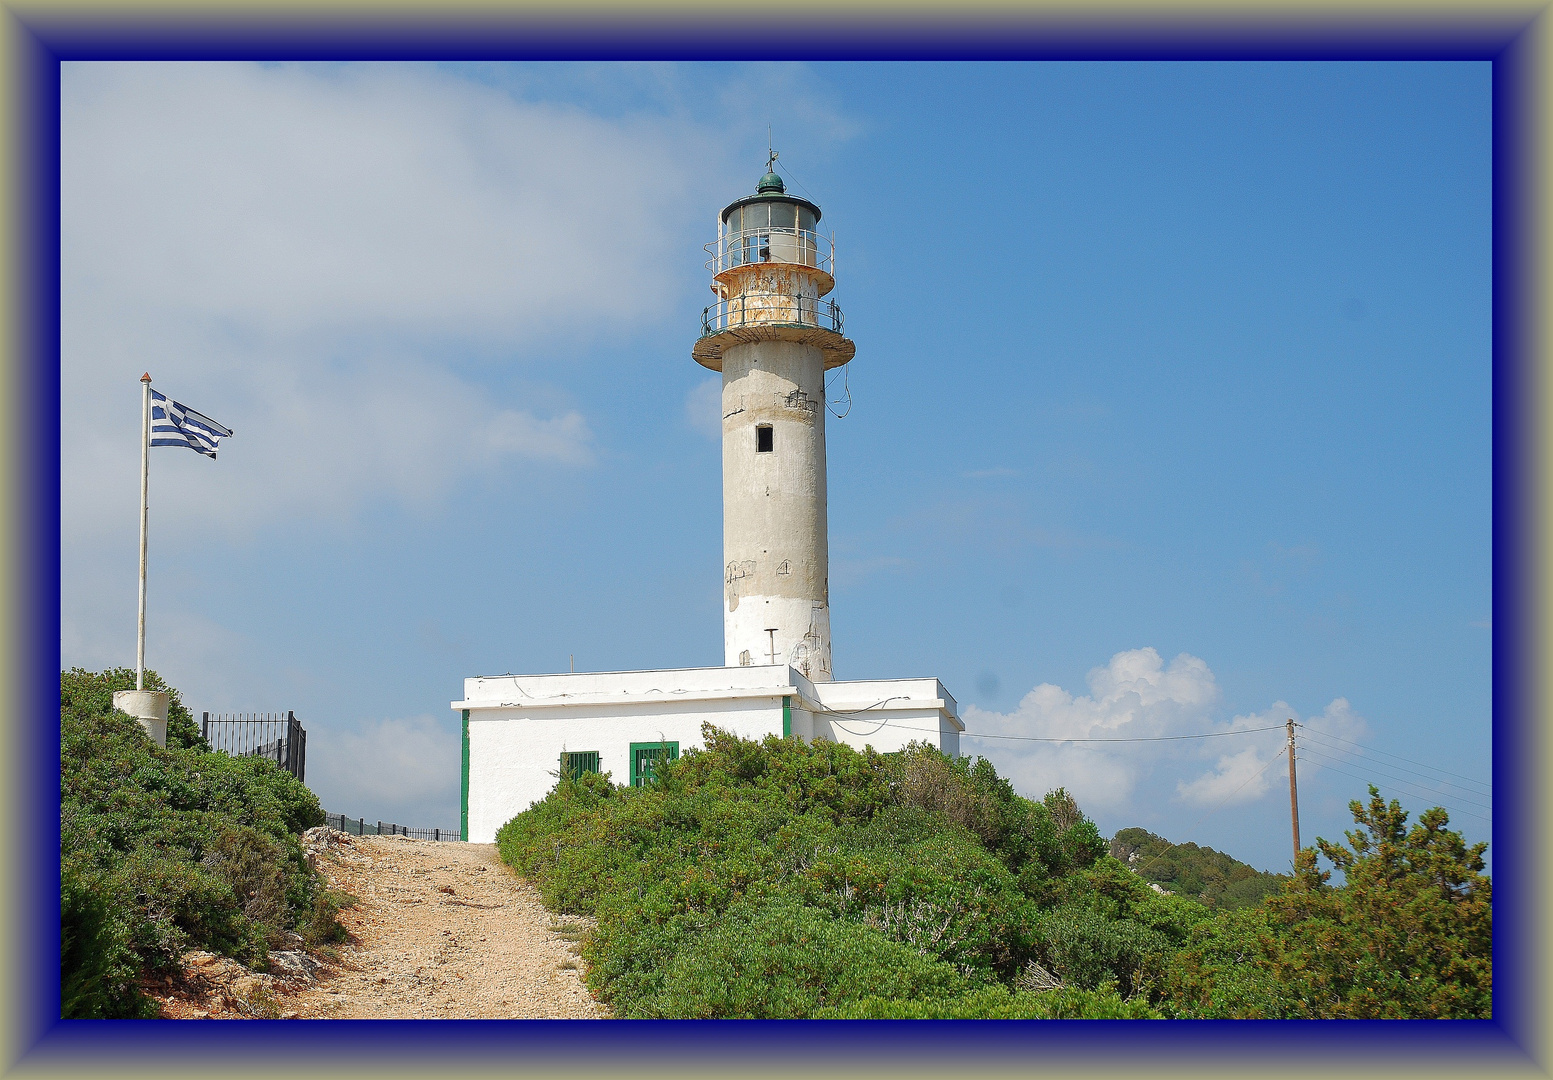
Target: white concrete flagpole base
{"type": "Point", "coordinates": [147, 706]}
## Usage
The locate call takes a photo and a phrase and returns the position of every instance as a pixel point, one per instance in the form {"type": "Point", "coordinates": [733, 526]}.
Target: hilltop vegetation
{"type": "Point", "coordinates": [1197, 873]}
{"type": "Point", "coordinates": [163, 850]}
{"type": "Point", "coordinates": [789, 879]}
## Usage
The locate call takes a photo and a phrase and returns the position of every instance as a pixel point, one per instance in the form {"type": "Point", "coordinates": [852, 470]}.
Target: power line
{"type": "Point", "coordinates": [1034, 738]}
{"type": "Point", "coordinates": [1410, 761]}
{"type": "Point", "coordinates": [1464, 794]}
{"type": "Point", "coordinates": [1153, 738]}
{"type": "Point", "coordinates": [1389, 787]}
{"type": "Point", "coordinates": [1329, 742]}
{"type": "Point", "coordinates": [1405, 786]}
{"type": "Point", "coordinates": [846, 386]}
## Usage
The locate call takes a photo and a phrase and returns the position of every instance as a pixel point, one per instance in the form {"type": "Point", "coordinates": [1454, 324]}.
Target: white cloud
{"type": "Point", "coordinates": [331, 261]}
{"type": "Point", "coordinates": [1134, 696]}
{"type": "Point", "coordinates": [1246, 775]}
{"type": "Point", "coordinates": [1138, 696]}
{"type": "Point", "coordinates": [366, 198]}
{"type": "Point", "coordinates": [1239, 777]}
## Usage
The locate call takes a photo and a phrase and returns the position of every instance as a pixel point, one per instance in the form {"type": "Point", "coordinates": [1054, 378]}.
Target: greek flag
{"type": "Point", "coordinates": [173, 424]}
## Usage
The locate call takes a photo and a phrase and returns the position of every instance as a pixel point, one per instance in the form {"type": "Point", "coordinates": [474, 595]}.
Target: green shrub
{"type": "Point", "coordinates": [1087, 950]}
{"type": "Point", "coordinates": [998, 1003]}
{"type": "Point", "coordinates": [321, 926]}
{"type": "Point", "coordinates": [163, 850]}
{"type": "Point", "coordinates": [778, 877]}
{"type": "Point", "coordinates": [1409, 934]}
{"type": "Point", "coordinates": [782, 959]}
{"type": "Point", "coordinates": [97, 964]}
{"type": "Point", "coordinates": [92, 692]}
{"type": "Point", "coordinates": [784, 878]}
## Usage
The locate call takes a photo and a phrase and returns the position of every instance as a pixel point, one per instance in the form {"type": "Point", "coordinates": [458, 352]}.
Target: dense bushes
{"type": "Point", "coordinates": [785, 878]}
{"type": "Point", "coordinates": [788, 879]}
{"type": "Point", "coordinates": [166, 850]}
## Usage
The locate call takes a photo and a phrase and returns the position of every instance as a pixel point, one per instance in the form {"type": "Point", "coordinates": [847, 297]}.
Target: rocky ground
{"type": "Point", "coordinates": [440, 930]}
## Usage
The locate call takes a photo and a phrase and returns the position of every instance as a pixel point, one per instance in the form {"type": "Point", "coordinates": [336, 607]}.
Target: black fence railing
{"type": "Point", "coordinates": [277, 737]}
{"type": "Point", "coordinates": [363, 827]}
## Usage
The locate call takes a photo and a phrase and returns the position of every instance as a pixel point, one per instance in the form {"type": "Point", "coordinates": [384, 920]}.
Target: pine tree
{"type": "Point", "coordinates": [1409, 933]}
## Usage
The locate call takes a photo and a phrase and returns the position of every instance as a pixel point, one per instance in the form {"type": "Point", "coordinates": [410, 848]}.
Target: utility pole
{"type": "Point", "coordinates": [1294, 798]}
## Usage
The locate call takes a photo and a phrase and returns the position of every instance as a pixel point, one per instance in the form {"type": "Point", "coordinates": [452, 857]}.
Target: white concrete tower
{"type": "Point", "coordinates": [773, 337]}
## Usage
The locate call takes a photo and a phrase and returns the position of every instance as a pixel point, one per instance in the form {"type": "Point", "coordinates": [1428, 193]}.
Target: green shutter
{"type": "Point", "coordinates": [643, 754]}
{"type": "Point", "coordinates": [576, 762]}
{"type": "Point", "coordinates": [787, 717]}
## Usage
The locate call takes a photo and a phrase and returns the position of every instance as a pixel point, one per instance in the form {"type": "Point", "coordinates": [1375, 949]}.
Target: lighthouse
{"type": "Point", "coordinates": [773, 334]}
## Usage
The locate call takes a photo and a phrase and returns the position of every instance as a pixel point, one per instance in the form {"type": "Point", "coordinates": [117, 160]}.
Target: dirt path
{"type": "Point", "coordinates": [442, 930]}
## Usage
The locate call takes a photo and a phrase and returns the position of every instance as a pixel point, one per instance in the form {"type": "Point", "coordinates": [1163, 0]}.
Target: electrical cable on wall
{"type": "Point", "coordinates": [846, 386]}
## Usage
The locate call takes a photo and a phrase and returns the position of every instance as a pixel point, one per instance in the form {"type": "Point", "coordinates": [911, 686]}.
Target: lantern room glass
{"type": "Point", "coordinates": [770, 230]}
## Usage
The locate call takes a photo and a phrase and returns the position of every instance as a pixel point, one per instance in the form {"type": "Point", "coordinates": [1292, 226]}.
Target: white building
{"type": "Point", "coordinates": [773, 336]}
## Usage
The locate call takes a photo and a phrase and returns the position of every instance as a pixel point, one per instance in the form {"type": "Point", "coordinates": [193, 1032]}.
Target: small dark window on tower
{"type": "Point", "coordinates": [763, 439]}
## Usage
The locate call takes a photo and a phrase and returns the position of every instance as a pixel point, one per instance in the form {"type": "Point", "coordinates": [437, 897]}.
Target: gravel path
{"type": "Point", "coordinates": [442, 930]}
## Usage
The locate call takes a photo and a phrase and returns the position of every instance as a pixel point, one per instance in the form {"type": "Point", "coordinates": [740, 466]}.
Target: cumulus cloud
{"type": "Point", "coordinates": [1245, 775]}
{"type": "Point", "coordinates": [1238, 777]}
{"type": "Point", "coordinates": [1137, 696]}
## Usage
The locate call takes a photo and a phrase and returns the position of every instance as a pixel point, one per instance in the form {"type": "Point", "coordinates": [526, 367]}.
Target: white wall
{"type": "Point", "coordinates": [519, 725]}
{"type": "Point", "coordinates": [887, 714]}
{"type": "Point", "coordinates": [514, 753]}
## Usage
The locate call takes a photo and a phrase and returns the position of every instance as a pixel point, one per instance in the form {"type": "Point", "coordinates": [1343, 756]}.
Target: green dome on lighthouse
{"type": "Point", "coordinates": [770, 184]}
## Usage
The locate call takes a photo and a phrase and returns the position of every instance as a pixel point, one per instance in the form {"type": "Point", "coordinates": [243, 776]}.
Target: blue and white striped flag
{"type": "Point", "coordinates": [173, 424]}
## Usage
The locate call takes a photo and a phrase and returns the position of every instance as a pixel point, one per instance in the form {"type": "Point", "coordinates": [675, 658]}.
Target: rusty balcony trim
{"type": "Point", "coordinates": [771, 309]}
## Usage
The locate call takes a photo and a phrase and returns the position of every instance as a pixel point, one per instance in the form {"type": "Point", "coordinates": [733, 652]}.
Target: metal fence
{"type": "Point", "coordinates": [363, 827]}
{"type": "Point", "coordinates": [277, 737]}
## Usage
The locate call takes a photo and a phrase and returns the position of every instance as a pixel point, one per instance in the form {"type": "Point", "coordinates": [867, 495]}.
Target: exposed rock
{"type": "Point", "coordinates": [294, 964]}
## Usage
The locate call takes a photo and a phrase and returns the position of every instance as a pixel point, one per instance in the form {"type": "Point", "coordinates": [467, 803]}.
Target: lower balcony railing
{"type": "Point", "coordinates": [770, 309]}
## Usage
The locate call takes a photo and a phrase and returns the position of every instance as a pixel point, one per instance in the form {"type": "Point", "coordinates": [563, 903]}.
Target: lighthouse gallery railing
{"type": "Point", "coordinates": [771, 309]}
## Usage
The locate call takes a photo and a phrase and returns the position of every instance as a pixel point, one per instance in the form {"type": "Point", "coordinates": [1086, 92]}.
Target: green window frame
{"type": "Point", "coordinates": [576, 762]}
{"type": "Point", "coordinates": [643, 754]}
{"type": "Point", "coordinates": [463, 796]}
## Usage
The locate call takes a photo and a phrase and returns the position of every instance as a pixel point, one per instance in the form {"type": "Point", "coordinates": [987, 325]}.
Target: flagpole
{"type": "Point", "coordinates": [145, 483]}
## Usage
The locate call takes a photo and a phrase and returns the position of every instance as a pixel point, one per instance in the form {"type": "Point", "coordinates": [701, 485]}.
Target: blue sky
{"type": "Point", "coordinates": [1170, 412]}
